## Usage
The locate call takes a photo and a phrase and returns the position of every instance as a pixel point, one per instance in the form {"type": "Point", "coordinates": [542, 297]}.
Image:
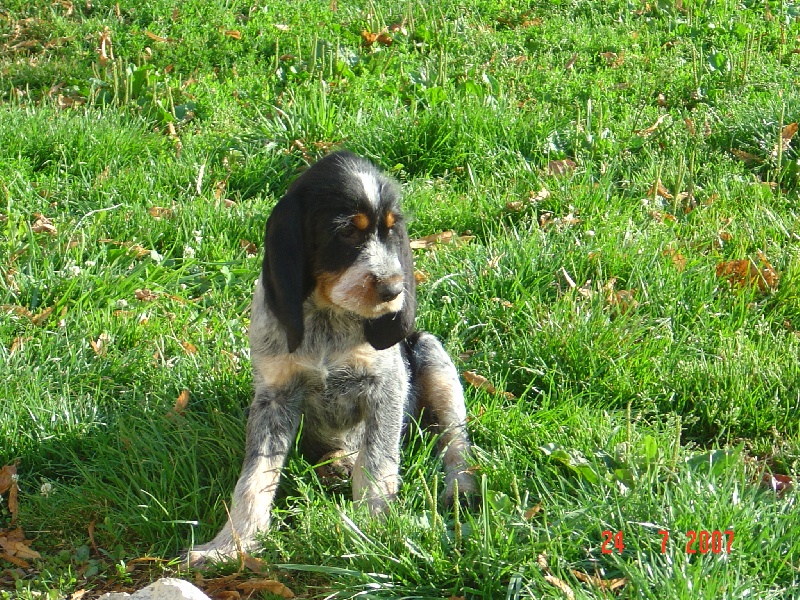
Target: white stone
{"type": "Point", "coordinates": [168, 588]}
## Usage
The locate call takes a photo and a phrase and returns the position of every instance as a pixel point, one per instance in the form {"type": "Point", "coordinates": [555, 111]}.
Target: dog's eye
{"type": "Point", "coordinates": [350, 233]}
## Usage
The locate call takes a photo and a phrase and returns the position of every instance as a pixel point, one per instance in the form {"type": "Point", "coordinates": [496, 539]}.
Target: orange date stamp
{"type": "Point", "coordinates": [697, 542]}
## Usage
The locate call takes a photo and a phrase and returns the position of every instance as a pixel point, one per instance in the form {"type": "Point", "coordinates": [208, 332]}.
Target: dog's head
{"type": "Point", "coordinates": [339, 231]}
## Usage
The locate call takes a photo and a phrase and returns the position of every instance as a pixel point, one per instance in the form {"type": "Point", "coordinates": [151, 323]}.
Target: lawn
{"type": "Point", "coordinates": [615, 191]}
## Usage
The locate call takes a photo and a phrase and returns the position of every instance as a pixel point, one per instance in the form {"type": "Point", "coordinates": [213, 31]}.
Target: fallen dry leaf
{"type": "Point", "coordinates": [100, 346]}
{"type": "Point", "coordinates": [368, 38]}
{"type": "Point", "coordinates": [8, 483]}
{"type": "Point", "coordinates": [233, 33]}
{"type": "Point", "coordinates": [532, 512]}
{"type": "Point", "coordinates": [678, 259]}
{"type": "Point", "coordinates": [14, 544]}
{"type": "Point", "coordinates": [159, 212]}
{"type": "Point", "coordinates": [145, 295]}
{"type": "Point", "coordinates": [571, 62]}
{"type": "Point", "coordinates": [777, 483]}
{"type": "Point", "coordinates": [612, 585]}
{"type": "Point", "coordinates": [559, 168]}
{"type": "Point", "coordinates": [155, 37]}
{"type": "Point", "coordinates": [648, 131]}
{"type": "Point", "coordinates": [249, 247]}
{"type": "Point", "coordinates": [181, 403]}
{"type": "Point", "coordinates": [613, 59]}
{"type": "Point", "coordinates": [658, 189]}
{"type": "Point", "coordinates": [105, 49]}
{"type": "Point", "coordinates": [745, 273]}
{"type": "Point", "coordinates": [255, 586]}
{"type": "Point", "coordinates": [561, 585]}
{"type": "Point", "coordinates": [787, 133]}
{"type": "Point", "coordinates": [385, 39]}
{"type": "Point", "coordinates": [434, 239]}
{"type": "Point", "coordinates": [42, 316]}
{"type": "Point", "coordinates": [622, 300]}
{"type": "Point", "coordinates": [746, 157]}
{"type": "Point", "coordinates": [43, 225]}
{"type": "Point", "coordinates": [189, 348]}
{"type": "Point", "coordinates": [480, 382]}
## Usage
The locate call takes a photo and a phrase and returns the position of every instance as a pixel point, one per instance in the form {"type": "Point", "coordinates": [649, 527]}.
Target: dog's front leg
{"type": "Point", "coordinates": [375, 475]}
{"type": "Point", "coordinates": [271, 428]}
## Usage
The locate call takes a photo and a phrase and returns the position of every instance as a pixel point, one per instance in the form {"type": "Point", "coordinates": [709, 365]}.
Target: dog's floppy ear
{"type": "Point", "coordinates": [390, 329]}
{"type": "Point", "coordinates": [285, 270]}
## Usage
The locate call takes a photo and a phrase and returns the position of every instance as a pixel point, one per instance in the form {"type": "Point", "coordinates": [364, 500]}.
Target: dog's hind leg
{"type": "Point", "coordinates": [271, 428]}
{"type": "Point", "coordinates": [440, 398]}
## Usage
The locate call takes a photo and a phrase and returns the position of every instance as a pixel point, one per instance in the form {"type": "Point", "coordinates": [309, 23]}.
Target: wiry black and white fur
{"type": "Point", "coordinates": [332, 342]}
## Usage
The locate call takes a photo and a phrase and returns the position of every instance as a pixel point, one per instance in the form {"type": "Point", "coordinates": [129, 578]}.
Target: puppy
{"type": "Point", "coordinates": [333, 344]}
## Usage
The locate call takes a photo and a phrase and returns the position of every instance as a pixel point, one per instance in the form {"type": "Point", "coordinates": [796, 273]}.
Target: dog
{"type": "Point", "coordinates": [333, 345]}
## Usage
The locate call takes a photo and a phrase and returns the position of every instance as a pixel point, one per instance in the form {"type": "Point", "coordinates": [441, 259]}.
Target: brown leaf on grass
{"type": "Point", "coordinates": [20, 311]}
{"type": "Point", "coordinates": [159, 212]}
{"type": "Point", "coordinates": [777, 483]}
{"type": "Point", "coordinates": [787, 133]}
{"type": "Point", "coordinates": [560, 168]}
{"type": "Point", "coordinates": [156, 37]}
{"type": "Point", "coordinates": [678, 259]}
{"type": "Point", "coordinates": [17, 344]}
{"type": "Point", "coordinates": [434, 239]}
{"type": "Point", "coordinates": [658, 189]}
{"type": "Point", "coordinates": [181, 403]}
{"type": "Point", "coordinates": [189, 348]}
{"type": "Point", "coordinates": [256, 586]}
{"type": "Point", "coordinates": [43, 225]}
{"type": "Point", "coordinates": [746, 157]}
{"type": "Point", "coordinates": [385, 39]}
{"type": "Point", "coordinates": [8, 483]}
{"type": "Point", "coordinates": [232, 33]}
{"type": "Point", "coordinates": [90, 531]}
{"type": "Point", "coordinates": [100, 346]}
{"type": "Point", "coordinates": [144, 295]}
{"type": "Point", "coordinates": [420, 276]}
{"type": "Point", "coordinates": [532, 512]}
{"type": "Point", "coordinates": [622, 300]}
{"type": "Point", "coordinates": [249, 247]}
{"type": "Point", "coordinates": [368, 38]}
{"type": "Point", "coordinates": [13, 543]}
{"type": "Point", "coordinates": [41, 317]}
{"type": "Point", "coordinates": [562, 586]}
{"type": "Point", "coordinates": [23, 564]}
{"type": "Point", "coordinates": [515, 205]}
{"type": "Point", "coordinates": [105, 49]}
{"type": "Point", "coordinates": [480, 382]}
{"type": "Point", "coordinates": [648, 131]}
{"type": "Point", "coordinates": [613, 59]}
{"type": "Point", "coordinates": [571, 62]}
{"type": "Point", "coordinates": [746, 274]}
{"type": "Point", "coordinates": [611, 585]}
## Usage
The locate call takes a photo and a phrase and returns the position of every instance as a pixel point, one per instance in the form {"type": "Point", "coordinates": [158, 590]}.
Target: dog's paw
{"type": "Point", "coordinates": [468, 491]}
{"type": "Point", "coordinates": [205, 555]}
{"type": "Point", "coordinates": [335, 468]}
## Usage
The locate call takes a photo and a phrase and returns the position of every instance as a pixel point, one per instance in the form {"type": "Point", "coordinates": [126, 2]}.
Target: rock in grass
{"type": "Point", "coordinates": [164, 589]}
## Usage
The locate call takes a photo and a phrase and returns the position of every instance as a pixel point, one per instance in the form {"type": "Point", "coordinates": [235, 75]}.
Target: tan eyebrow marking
{"type": "Point", "coordinates": [361, 221]}
{"type": "Point", "coordinates": [390, 220]}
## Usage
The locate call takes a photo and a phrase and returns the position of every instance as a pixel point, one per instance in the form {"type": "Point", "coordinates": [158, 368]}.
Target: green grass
{"type": "Point", "coordinates": [632, 417]}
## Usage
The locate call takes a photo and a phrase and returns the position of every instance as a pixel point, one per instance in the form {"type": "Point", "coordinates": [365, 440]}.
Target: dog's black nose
{"type": "Point", "coordinates": [389, 289]}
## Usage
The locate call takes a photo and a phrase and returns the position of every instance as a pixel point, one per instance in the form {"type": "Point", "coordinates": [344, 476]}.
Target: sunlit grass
{"type": "Point", "coordinates": [638, 391]}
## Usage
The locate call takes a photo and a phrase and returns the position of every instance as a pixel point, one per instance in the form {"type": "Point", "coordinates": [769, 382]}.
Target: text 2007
{"type": "Point", "coordinates": [703, 542]}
